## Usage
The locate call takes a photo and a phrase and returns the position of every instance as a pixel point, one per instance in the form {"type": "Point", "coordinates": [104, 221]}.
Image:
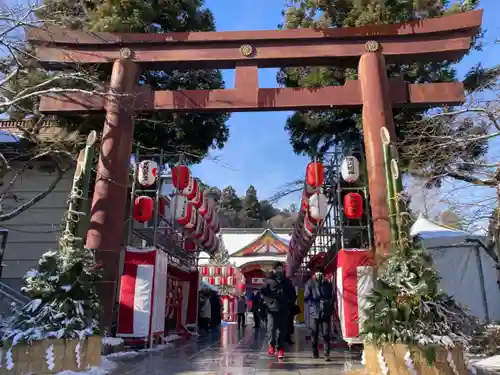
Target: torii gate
{"type": "Point", "coordinates": [369, 48]}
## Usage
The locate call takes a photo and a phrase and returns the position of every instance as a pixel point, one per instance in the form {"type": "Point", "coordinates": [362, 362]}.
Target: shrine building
{"type": "Point", "coordinates": [253, 251]}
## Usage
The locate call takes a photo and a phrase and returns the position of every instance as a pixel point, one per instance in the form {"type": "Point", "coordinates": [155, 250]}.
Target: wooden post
{"type": "Point", "coordinates": [107, 221]}
{"type": "Point", "coordinates": [377, 113]}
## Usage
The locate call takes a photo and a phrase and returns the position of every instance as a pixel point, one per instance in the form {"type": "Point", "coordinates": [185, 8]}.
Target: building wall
{"type": "Point", "coordinates": [37, 229]}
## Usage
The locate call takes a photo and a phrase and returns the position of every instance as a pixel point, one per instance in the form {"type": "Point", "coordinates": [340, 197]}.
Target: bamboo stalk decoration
{"type": "Point", "coordinates": [89, 152]}
{"type": "Point", "coordinates": [386, 140]}
{"type": "Point", "coordinates": [77, 217]}
{"type": "Point", "coordinates": [397, 210]}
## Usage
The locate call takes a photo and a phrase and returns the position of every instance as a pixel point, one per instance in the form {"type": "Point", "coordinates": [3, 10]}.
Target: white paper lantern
{"type": "Point", "coordinates": [215, 246]}
{"type": "Point", "coordinates": [183, 212]}
{"type": "Point", "coordinates": [209, 241]}
{"type": "Point", "coordinates": [200, 228]}
{"type": "Point", "coordinates": [230, 280]}
{"type": "Point", "coordinates": [147, 172]}
{"type": "Point", "coordinates": [191, 189]}
{"type": "Point", "coordinates": [198, 198]}
{"type": "Point", "coordinates": [211, 271]}
{"type": "Point", "coordinates": [205, 279]}
{"type": "Point", "coordinates": [318, 207]}
{"type": "Point", "coordinates": [349, 169]}
{"type": "Point", "coordinates": [223, 271]}
{"type": "Point", "coordinates": [309, 227]}
{"type": "Point", "coordinates": [217, 280]}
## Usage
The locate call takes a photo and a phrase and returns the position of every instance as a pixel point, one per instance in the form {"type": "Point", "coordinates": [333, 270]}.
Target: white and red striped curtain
{"type": "Point", "coordinates": [354, 283]}
{"type": "Point", "coordinates": [142, 295]}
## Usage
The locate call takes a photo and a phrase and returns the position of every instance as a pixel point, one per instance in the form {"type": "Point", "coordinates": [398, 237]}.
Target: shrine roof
{"type": "Point", "coordinates": [261, 242]}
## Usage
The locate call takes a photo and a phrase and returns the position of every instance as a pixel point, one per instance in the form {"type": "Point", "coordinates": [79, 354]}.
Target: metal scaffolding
{"type": "Point", "coordinates": [337, 231]}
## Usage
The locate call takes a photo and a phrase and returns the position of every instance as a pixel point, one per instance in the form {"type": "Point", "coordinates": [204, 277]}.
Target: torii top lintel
{"type": "Point", "coordinates": [445, 38]}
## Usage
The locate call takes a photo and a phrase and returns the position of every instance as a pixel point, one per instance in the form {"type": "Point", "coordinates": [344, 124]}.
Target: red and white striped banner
{"type": "Point", "coordinates": [142, 293]}
{"type": "Point", "coordinates": [354, 283]}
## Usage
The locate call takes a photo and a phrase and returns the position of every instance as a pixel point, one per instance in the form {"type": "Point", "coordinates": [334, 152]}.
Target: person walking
{"type": "Point", "coordinates": [205, 311]}
{"type": "Point", "coordinates": [318, 297]}
{"type": "Point", "coordinates": [241, 311]}
{"type": "Point", "coordinates": [278, 298]}
{"type": "Point", "coordinates": [256, 302]}
{"type": "Point", "coordinates": [292, 311]}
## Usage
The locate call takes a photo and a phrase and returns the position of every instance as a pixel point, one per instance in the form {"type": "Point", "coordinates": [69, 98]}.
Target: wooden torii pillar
{"type": "Point", "coordinates": [369, 48]}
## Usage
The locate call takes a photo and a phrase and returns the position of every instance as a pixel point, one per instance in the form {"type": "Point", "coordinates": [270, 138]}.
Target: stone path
{"type": "Point", "coordinates": [233, 352]}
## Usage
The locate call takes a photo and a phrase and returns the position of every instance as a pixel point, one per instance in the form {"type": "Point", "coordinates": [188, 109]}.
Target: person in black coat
{"type": "Point", "coordinates": [318, 298]}
{"type": "Point", "coordinates": [256, 302]}
{"type": "Point", "coordinates": [215, 305]}
{"type": "Point", "coordinates": [278, 295]}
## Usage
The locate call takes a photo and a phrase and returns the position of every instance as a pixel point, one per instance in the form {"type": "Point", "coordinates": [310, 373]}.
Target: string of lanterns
{"type": "Point", "coordinates": [314, 207]}
{"type": "Point", "coordinates": [194, 210]}
{"type": "Point", "coordinates": [313, 210]}
{"type": "Point", "coordinates": [191, 208]}
{"type": "Point", "coordinates": [353, 202]}
{"type": "Point", "coordinates": [217, 275]}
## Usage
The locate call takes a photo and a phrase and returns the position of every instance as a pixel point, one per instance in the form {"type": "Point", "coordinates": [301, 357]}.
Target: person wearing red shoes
{"type": "Point", "coordinates": [318, 299]}
{"type": "Point", "coordinates": [278, 297]}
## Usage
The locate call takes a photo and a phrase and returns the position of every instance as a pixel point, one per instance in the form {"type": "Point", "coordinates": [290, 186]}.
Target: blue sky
{"type": "Point", "coordinates": [258, 151]}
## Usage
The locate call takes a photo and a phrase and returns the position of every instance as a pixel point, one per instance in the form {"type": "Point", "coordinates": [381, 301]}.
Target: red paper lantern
{"type": "Point", "coordinates": [190, 246]}
{"type": "Point", "coordinates": [223, 281]}
{"type": "Point", "coordinates": [204, 271]}
{"type": "Point", "coordinates": [304, 202]}
{"type": "Point", "coordinates": [217, 271]}
{"type": "Point", "coordinates": [353, 205]}
{"type": "Point", "coordinates": [143, 208]}
{"type": "Point", "coordinates": [230, 271]}
{"type": "Point", "coordinates": [198, 198]}
{"type": "Point", "coordinates": [315, 177]}
{"type": "Point", "coordinates": [211, 280]}
{"type": "Point", "coordinates": [180, 176]}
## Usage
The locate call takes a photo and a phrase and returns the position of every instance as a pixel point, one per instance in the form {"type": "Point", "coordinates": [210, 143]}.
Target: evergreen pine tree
{"type": "Point", "coordinates": [194, 133]}
{"type": "Point", "coordinates": [313, 132]}
{"type": "Point", "coordinates": [252, 209]}
{"type": "Point", "coordinates": [230, 206]}
{"type": "Point", "coordinates": [221, 256]}
{"type": "Point", "coordinates": [63, 301]}
{"type": "Point", "coordinates": [408, 307]}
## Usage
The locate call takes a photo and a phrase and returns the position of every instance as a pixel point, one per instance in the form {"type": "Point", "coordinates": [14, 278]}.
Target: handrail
{"type": "Point", "coordinates": [13, 294]}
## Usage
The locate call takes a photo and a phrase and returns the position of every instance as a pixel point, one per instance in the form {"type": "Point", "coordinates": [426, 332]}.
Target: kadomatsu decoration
{"type": "Point", "coordinates": [411, 326]}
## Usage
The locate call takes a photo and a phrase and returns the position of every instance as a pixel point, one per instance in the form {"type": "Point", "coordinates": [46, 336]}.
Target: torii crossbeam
{"type": "Point", "coordinates": [369, 48]}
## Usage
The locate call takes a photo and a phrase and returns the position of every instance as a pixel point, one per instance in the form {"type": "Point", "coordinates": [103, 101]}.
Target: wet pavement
{"type": "Point", "coordinates": [233, 352]}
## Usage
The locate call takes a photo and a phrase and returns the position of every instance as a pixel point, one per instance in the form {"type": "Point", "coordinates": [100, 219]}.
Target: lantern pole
{"type": "Point", "coordinates": [157, 198]}
{"type": "Point", "coordinates": [132, 196]}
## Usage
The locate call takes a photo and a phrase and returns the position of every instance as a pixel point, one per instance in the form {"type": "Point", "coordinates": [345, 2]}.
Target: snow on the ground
{"type": "Point", "coordinates": [127, 354]}
{"type": "Point", "coordinates": [112, 341]}
{"type": "Point", "coordinates": [133, 353]}
{"type": "Point", "coordinates": [105, 367]}
{"type": "Point", "coordinates": [172, 337]}
{"type": "Point", "coordinates": [482, 363]}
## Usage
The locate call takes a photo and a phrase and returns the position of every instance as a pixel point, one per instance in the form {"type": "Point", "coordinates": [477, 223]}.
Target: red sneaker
{"type": "Point", "coordinates": [270, 351]}
{"type": "Point", "coordinates": [281, 354]}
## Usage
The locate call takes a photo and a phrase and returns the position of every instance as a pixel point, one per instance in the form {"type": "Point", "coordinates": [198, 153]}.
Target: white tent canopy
{"type": "Point", "coordinates": [467, 271]}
